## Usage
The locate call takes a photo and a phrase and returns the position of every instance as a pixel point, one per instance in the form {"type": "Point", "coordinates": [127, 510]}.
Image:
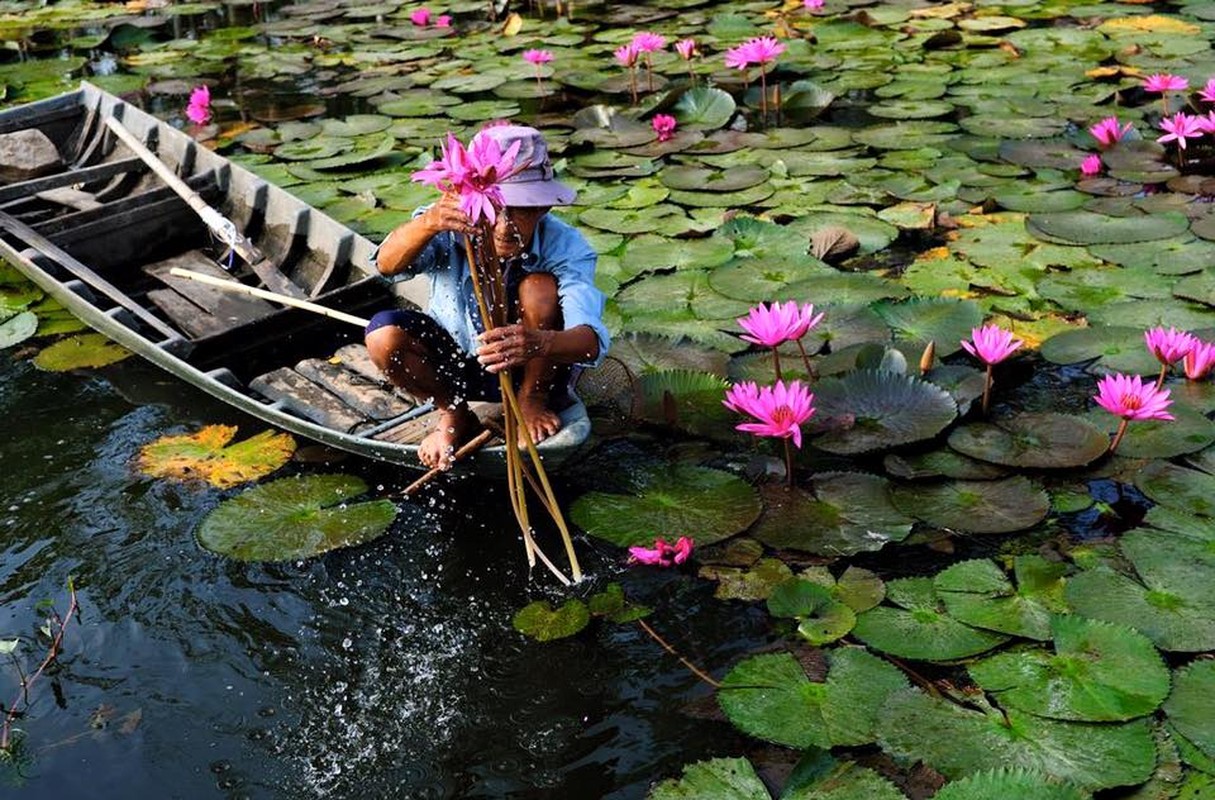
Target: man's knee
{"type": "Point", "coordinates": [538, 301]}
{"type": "Point", "coordinates": [384, 343]}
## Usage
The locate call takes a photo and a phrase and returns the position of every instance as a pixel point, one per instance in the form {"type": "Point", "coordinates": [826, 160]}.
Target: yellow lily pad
{"type": "Point", "coordinates": [206, 456]}
{"type": "Point", "coordinates": [1153, 23]}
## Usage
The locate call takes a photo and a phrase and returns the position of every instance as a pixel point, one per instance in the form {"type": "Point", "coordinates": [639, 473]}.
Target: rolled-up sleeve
{"type": "Point", "coordinates": [433, 254]}
{"type": "Point", "coordinates": [581, 302]}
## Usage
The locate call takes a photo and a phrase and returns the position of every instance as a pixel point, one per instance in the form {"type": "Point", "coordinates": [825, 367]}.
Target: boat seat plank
{"type": "Point", "coordinates": [70, 198]}
{"type": "Point", "coordinates": [229, 309]}
{"type": "Point", "coordinates": [196, 322]}
{"type": "Point", "coordinates": [71, 177]}
{"type": "Point", "coordinates": [355, 357]}
{"type": "Point", "coordinates": [413, 431]}
{"type": "Point", "coordinates": [308, 400]}
{"type": "Point", "coordinates": [365, 396]}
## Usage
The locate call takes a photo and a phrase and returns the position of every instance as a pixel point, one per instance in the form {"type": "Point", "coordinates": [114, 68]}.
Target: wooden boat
{"type": "Point", "coordinates": [99, 231]}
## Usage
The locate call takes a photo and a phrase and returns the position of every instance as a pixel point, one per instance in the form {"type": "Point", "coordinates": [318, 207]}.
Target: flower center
{"type": "Point", "coordinates": [783, 416]}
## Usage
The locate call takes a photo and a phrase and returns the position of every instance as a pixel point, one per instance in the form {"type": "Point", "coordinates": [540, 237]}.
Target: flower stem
{"type": "Point", "coordinates": [1164, 371]}
{"type": "Point", "coordinates": [539, 82]}
{"type": "Point", "coordinates": [1118, 436]}
{"type": "Point", "coordinates": [633, 83]}
{"type": "Point", "coordinates": [987, 390]}
{"type": "Point", "coordinates": [810, 374]}
{"type": "Point", "coordinates": [699, 673]}
{"type": "Point", "coordinates": [763, 95]}
{"type": "Point", "coordinates": [789, 461]}
{"type": "Point", "coordinates": [649, 72]}
{"type": "Point", "coordinates": [776, 363]}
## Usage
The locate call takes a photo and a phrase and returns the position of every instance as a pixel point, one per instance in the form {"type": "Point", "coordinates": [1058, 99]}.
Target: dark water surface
{"type": "Point", "coordinates": [386, 671]}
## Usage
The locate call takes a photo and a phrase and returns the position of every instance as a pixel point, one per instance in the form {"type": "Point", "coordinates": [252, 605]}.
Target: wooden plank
{"type": "Point", "coordinates": [229, 308]}
{"type": "Point", "coordinates": [363, 395]}
{"type": "Point", "coordinates": [70, 177]}
{"type": "Point", "coordinates": [355, 357]}
{"type": "Point", "coordinates": [303, 397]}
{"type": "Point", "coordinates": [196, 322]}
{"type": "Point", "coordinates": [413, 431]}
{"type": "Point", "coordinates": [72, 198]}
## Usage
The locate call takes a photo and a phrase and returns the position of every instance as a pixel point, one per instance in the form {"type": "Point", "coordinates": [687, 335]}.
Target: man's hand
{"type": "Point", "coordinates": [446, 215]}
{"type": "Point", "coordinates": [512, 346]}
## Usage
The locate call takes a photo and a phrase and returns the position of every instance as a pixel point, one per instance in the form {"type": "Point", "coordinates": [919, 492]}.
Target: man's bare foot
{"type": "Point", "coordinates": [455, 427]}
{"type": "Point", "coordinates": [541, 422]}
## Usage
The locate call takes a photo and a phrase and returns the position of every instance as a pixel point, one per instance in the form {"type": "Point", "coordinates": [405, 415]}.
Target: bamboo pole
{"type": "Point", "coordinates": [237, 286]}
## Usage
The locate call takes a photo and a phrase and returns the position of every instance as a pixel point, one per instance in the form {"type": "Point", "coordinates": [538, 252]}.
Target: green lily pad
{"type": "Point", "coordinates": [316, 148]}
{"type": "Point", "coordinates": [821, 618]}
{"type": "Point", "coordinates": [644, 353]}
{"type": "Point", "coordinates": [1191, 706]}
{"type": "Point", "coordinates": [700, 179]}
{"type": "Point", "coordinates": [1177, 256]}
{"type": "Point", "coordinates": [847, 781]}
{"type": "Point", "coordinates": [1098, 672]}
{"type": "Point", "coordinates": [1150, 313]}
{"type": "Point", "coordinates": [1087, 288]}
{"type": "Point", "coordinates": [703, 108]}
{"type": "Point", "coordinates": [851, 513]}
{"type": "Point", "coordinates": [1085, 227]}
{"type": "Point", "coordinates": [80, 352]}
{"type": "Point", "coordinates": [957, 741]}
{"type": "Point", "coordinates": [920, 628]}
{"type": "Point", "coordinates": [540, 621]}
{"type": "Point", "coordinates": [293, 518]}
{"type": "Point", "coordinates": [17, 328]}
{"type": "Point", "coordinates": [1171, 609]}
{"type": "Point", "coordinates": [649, 252]}
{"type": "Point", "coordinates": [1188, 432]}
{"type": "Point", "coordinates": [719, 778]}
{"type": "Point", "coordinates": [943, 463]}
{"type": "Point", "coordinates": [687, 400]}
{"type": "Point", "coordinates": [18, 296]}
{"type": "Point", "coordinates": [707, 505]}
{"type": "Point", "coordinates": [754, 583]}
{"type": "Point", "coordinates": [770, 697]}
{"type": "Point", "coordinates": [920, 321]}
{"type": "Point", "coordinates": [612, 605]}
{"type": "Point", "coordinates": [1009, 784]}
{"type": "Point", "coordinates": [872, 409]}
{"type": "Point", "coordinates": [1035, 440]}
{"type": "Point", "coordinates": [760, 281]}
{"type": "Point", "coordinates": [979, 594]}
{"type": "Point", "coordinates": [857, 588]}
{"type": "Point", "coordinates": [1115, 348]}
{"type": "Point", "coordinates": [1170, 485]}
{"type": "Point", "coordinates": [1003, 506]}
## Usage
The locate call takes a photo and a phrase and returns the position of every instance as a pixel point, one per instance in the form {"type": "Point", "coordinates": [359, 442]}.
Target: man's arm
{"type": "Point", "coordinates": [407, 241]}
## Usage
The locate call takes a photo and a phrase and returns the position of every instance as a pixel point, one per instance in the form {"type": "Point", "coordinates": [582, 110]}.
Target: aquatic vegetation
{"type": "Point", "coordinates": [206, 455]}
{"type": "Point", "coordinates": [991, 344]}
{"type": "Point", "coordinates": [53, 628]}
{"type": "Point", "coordinates": [1199, 360]}
{"type": "Point", "coordinates": [473, 173]}
{"type": "Point", "coordinates": [88, 350]}
{"type": "Point", "coordinates": [538, 58]}
{"type": "Point", "coordinates": [1129, 398]}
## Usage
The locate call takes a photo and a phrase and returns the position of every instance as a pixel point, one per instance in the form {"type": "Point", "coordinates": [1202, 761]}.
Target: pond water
{"type": "Point", "coordinates": [947, 137]}
{"type": "Point", "coordinates": [388, 671]}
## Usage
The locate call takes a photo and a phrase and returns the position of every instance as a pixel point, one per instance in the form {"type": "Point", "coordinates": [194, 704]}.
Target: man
{"type": "Point", "coordinates": [446, 354]}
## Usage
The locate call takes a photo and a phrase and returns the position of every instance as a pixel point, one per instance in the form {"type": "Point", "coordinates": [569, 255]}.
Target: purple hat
{"type": "Point", "coordinates": [533, 185]}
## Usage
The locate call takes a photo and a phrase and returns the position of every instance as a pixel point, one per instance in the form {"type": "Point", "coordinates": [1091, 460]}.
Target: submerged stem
{"type": "Point", "coordinates": [704, 676]}
{"type": "Point", "coordinates": [789, 461]}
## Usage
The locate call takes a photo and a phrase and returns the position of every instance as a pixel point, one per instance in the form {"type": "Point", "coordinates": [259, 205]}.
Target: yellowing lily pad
{"type": "Point", "coordinates": [80, 352]}
{"type": "Point", "coordinates": [206, 455]}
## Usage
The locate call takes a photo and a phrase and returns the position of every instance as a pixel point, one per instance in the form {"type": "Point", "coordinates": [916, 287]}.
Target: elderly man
{"type": "Point", "coordinates": [446, 354]}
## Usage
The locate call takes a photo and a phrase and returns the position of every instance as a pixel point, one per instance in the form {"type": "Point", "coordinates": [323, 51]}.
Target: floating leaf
{"type": "Point", "coordinates": [821, 618]}
{"type": "Point", "coordinates": [1191, 706]}
{"type": "Point", "coordinates": [1184, 489]}
{"type": "Point", "coordinates": [1098, 672]}
{"type": "Point", "coordinates": [17, 328]}
{"type": "Point", "coordinates": [1085, 227]}
{"type": "Point", "coordinates": [293, 518]}
{"type": "Point", "coordinates": [873, 409]}
{"type": "Point", "coordinates": [612, 605]}
{"type": "Point", "coordinates": [754, 583]}
{"type": "Point", "coordinates": [1189, 431]}
{"type": "Point", "coordinates": [80, 352]}
{"type": "Point", "coordinates": [719, 778]}
{"type": "Point", "coordinates": [979, 594]}
{"type": "Point", "coordinates": [769, 697]}
{"type": "Point", "coordinates": [957, 741]}
{"type": "Point", "coordinates": [848, 781]}
{"type": "Point", "coordinates": [942, 463]}
{"type": "Point", "coordinates": [542, 622]}
{"type": "Point", "coordinates": [851, 513]}
{"type": "Point", "coordinates": [206, 455]}
{"type": "Point", "coordinates": [707, 505]}
{"type": "Point", "coordinates": [947, 323]}
{"type": "Point", "coordinates": [1172, 607]}
{"type": "Point", "coordinates": [1011, 504]}
{"type": "Point", "coordinates": [1009, 784]}
{"type": "Point", "coordinates": [686, 399]}
{"type": "Point", "coordinates": [1035, 440]}
{"type": "Point", "coordinates": [920, 628]}
{"type": "Point", "coordinates": [1115, 348]}
{"type": "Point", "coordinates": [703, 108]}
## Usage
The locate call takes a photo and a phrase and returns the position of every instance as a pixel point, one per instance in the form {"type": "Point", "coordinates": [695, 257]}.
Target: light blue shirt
{"type": "Point", "coordinates": [556, 248]}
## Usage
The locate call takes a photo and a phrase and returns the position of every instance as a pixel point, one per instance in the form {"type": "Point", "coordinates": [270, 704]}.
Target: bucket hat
{"type": "Point", "coordinates": [533, 183]}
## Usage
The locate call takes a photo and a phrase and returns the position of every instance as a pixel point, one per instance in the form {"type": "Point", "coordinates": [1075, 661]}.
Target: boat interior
{"type": "Point", "coordinates": [102, 224]}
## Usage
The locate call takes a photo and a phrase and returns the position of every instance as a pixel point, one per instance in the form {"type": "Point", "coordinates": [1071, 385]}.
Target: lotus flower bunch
{"type": "Point", "coordinates": [473, 173]}
{"type": "Point", "coordinates": [662, 554]}
{"type": "Point", "coordinates": [1130, 399]}
{"type": "Point", "coordinates": [198, 110]}
{"type": "Point", "coordinates": [760, 51]}
{"type": "Point", "coordinates": [991, 344]}
{"type": "Point", "coordinates": [1168, 346]}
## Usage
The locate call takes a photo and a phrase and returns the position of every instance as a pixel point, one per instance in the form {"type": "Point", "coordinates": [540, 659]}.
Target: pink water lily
{"type": "Point", "coordinates": [763, 49]}
{"type": "Point", "coordinates": [626, 56]}
{"type": "Point", "coordinates": [537, 57]}
{"type": "Point", "coordinates": [1164, 82]}
{"type": "Point", "coordinates": [1207, 92]}
{"type": "Point", "coordinates": [443, 21]}
{"type": "Point", "coordinates": [1130, 399]}
{"type": "Point", "coordinates": [1091, 165]}
{"type": "Point", "coordinates": [991, 344]}
{"type": "Point", "coordinates": [420, 17]}
{"type": "Point", "coordinates": [664, 126]}
{"type": "Point", "coordinates": [779, 409]}
{"type": "Point", "coordinates": [1169, 347]}
{"type": "Point", "coordinates": [648, 42]}
{"type": "Point", "coordinates": [760, 51]}
{"type": "Point", "coordinates": [1179, 127]}
{"type": "Point", "coordinates": [738, 57]}
{"type": "Point", "coordinates": [1199, 360]}
{"type": "Point", "coordinates": [662, 554]}
{"type": "Point", "coordinates": [1108, 132]}
{"type": "Point", "coordinates": [686, 48]}
{"type": "Point", "coordinates": [198, 110]}
{"type": "Point", "coordinates": [812, 5]}
{"type": "Point", "coordinates": [774, 324]}
{"type": "Point", "coordinates": [473, 173]}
